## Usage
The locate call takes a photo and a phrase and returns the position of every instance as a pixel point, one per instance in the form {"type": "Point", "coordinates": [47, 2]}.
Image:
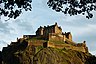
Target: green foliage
{"type": "Point", "coordinates": [38, 48]}
{"type": "Point", "coordinates": [71, 7]}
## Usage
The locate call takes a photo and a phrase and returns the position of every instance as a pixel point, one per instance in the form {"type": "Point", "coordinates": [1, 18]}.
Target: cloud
{"type": "Point", "coordinates": [22, 26]}
{"type": "Point", "coordinates": [4, 28]}
{"type": "Point", "coordinates": [83, 30]}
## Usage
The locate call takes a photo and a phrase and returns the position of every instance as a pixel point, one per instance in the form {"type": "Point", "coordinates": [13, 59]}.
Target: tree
{"type": "Point", "coordinates": [71, 7]}
{"type": "Point", "coordinates": [74, 7]}
{"type": "Point", "coordinates": [13, 8]}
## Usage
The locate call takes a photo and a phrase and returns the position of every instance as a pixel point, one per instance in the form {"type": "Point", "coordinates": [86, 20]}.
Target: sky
{"type": "Point", "coordinates": [82, 29]}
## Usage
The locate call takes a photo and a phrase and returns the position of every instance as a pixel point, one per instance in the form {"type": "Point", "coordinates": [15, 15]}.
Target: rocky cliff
{"type": "Point", "coordinates": [23, 54]}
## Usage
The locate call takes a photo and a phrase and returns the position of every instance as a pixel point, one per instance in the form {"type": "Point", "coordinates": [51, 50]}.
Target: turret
{"type": "Point", "coordinates": [39, 31]}
{"type": "Point", "coordinates": [68, 35]}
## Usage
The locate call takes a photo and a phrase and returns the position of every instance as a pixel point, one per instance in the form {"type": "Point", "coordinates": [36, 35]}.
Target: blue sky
{"type": "Point", "coordinates": [80, 27]}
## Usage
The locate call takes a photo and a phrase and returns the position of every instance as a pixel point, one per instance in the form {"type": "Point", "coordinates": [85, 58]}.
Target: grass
{"type": "Point", "coordinates": [38, 48]}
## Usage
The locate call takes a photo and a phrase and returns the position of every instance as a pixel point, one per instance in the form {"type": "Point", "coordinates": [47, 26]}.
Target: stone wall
{"type": "Point", "coordinates": [58, 30]}
{"type": "Point", "coordinates": [68, 41]}
{"type": "Point", "coordinates": [48, 30]}
{"type": "Point", "coordinates": [67, 46]}
{"type": "Point", "coordinates": [60, 37]}
{"type": "Point", "coordinates": [50, 44]}
{"type": "Point", "coordinates": [36, 43]}
{"type": "Point", "coordinates": [56, 37]}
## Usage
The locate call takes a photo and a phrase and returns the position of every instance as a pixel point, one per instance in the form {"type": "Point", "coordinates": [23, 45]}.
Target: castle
{"type": "Point", "coordinates": [52, 36]}
{"type": "Point", "coordinates": [53, 32]}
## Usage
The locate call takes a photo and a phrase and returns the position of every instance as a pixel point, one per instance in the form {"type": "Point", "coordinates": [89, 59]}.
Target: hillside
{"type": "Point", "coordinates": [40, 55]}
{"type": "Point", "coordinates": [57, 56]}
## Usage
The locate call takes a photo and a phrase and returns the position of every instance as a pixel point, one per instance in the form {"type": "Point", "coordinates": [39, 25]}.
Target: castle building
{"type": "Point", "coordinates": [51, 36]}
{"type": "Point", "coordinates": [52, 31]}
{"type": "Point", "coordinates": [49, 29]}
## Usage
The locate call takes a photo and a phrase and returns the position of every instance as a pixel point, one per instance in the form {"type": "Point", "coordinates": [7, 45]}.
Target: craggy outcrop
{"type": "Point", "coordinates": [58, 56]}
{"type": "Point", "coordinates": [40, 55]}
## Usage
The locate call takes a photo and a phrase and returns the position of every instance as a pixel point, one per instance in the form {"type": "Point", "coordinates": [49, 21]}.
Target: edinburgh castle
{"type": "Point", "coordinates": [51, 36]}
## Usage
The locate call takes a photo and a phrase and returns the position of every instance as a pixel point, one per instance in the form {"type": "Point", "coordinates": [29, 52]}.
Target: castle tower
{"type": "Point", "coordinates": [39, 31]}
{"type": "Point", "coordinates": [47, 30]}
{"type": "Point", "coordinates": [68, 35]}
{"type": "Point", "coordinates": [58, 30]}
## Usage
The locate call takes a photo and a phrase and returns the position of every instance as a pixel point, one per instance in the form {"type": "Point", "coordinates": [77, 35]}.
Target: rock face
{"type": "Point", "coordinates": [40, 55]}
{"type": "Point", "coordinates": [57, 56]}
